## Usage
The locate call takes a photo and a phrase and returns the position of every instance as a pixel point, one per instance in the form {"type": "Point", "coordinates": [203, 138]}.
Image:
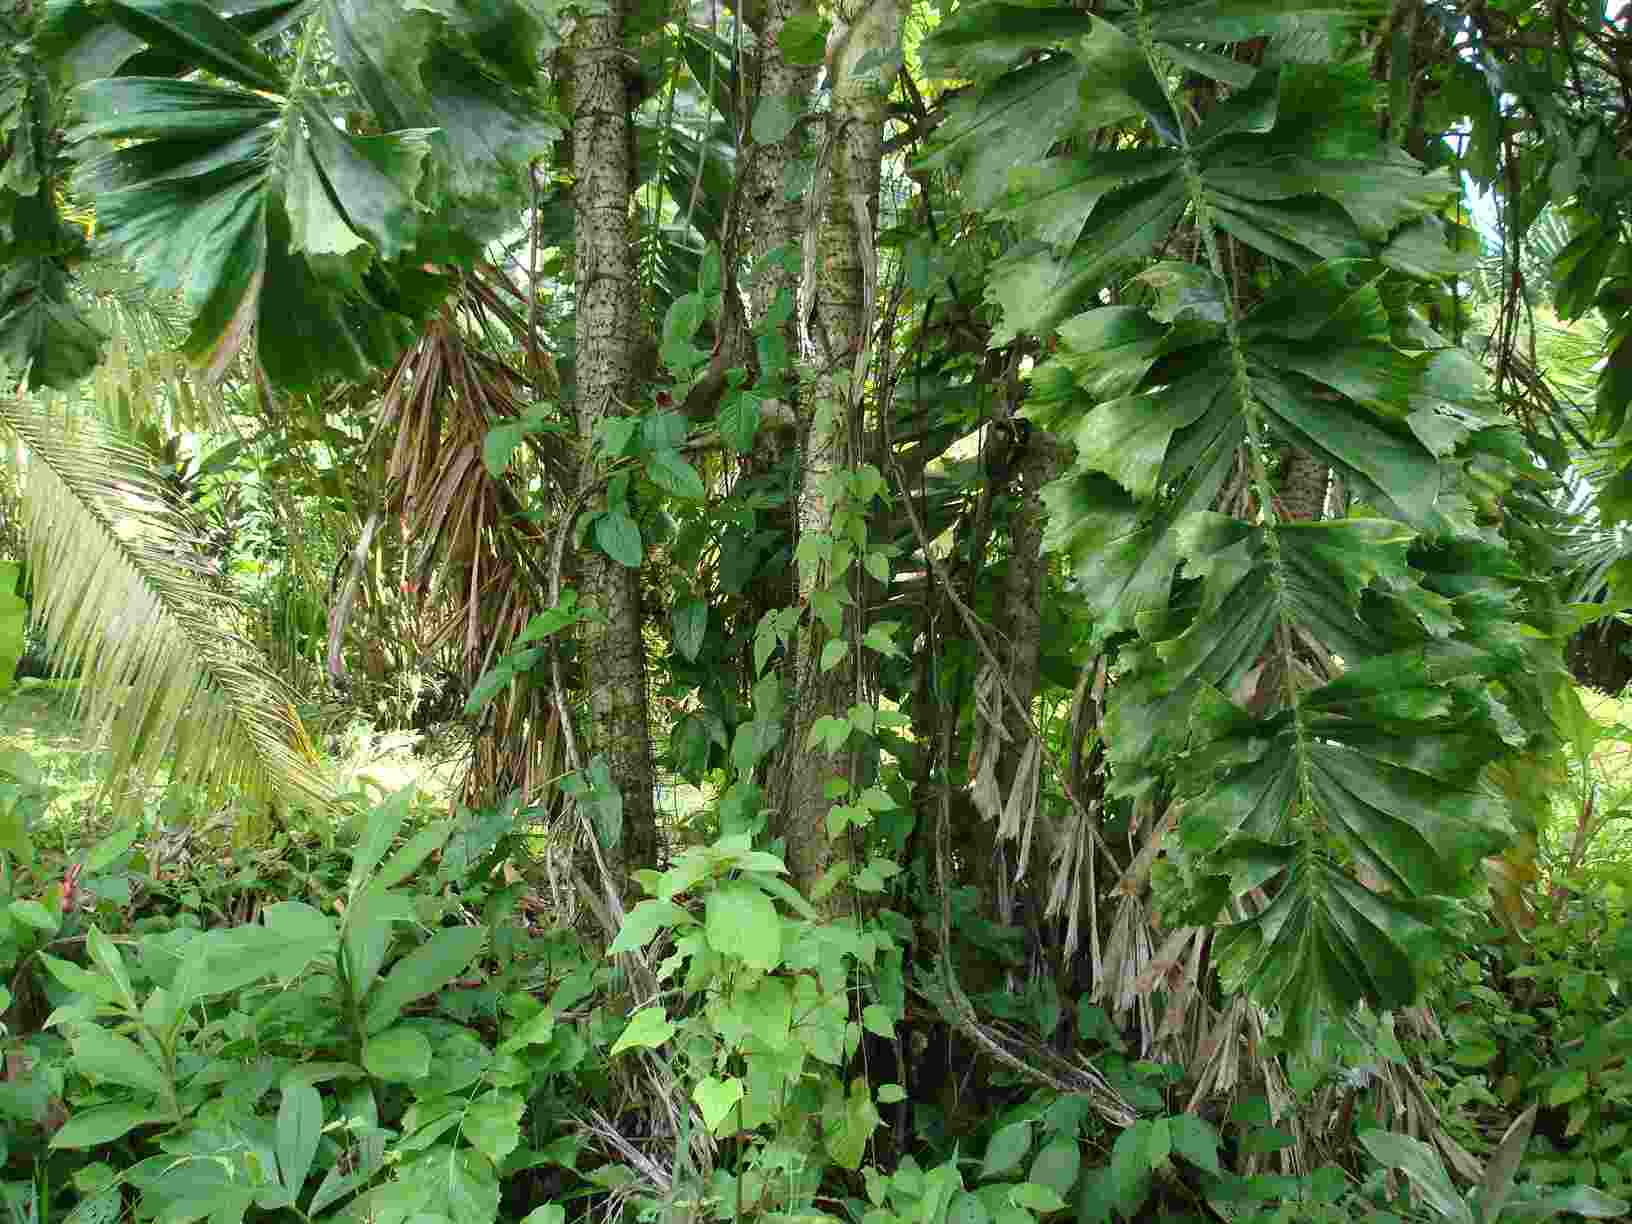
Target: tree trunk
{"type": "Point", "coordinates": [614, 655]}
{"type": "Point", "coordinates": [1304, 483]}
{"type": "Point", "coordinates": [838, 325]}
{"type": "Point", "coordinates": [1020, 611]}
{"type": "Point", "coordinates": [775, 221]}
{"type": "Point", "coordinates": [1303, 492]}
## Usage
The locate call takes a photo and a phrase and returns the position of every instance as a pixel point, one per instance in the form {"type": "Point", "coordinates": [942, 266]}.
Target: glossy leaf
{"type": "Point", "coordinates": [271, 219]}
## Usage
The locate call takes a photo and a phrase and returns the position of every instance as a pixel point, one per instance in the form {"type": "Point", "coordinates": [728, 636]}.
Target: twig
{"type": "Point", "coordinates": [971, 624]}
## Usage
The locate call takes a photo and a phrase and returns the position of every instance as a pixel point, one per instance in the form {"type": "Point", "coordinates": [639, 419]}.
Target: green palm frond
{"type": "Point", "coordinates": [123, 590]}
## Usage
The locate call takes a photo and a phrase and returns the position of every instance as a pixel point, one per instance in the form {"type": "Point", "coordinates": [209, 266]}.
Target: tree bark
{"type": "Point", "coordinates": [614, 654]}
{"type": "Point", "coordinates": [1021, 605]}
{"type": "Point", "coordinates": [775, 222]}
{"type": "Point", "coordinates": [837, 329]}
{"type": "Point", "coordinates": [1304, 480]}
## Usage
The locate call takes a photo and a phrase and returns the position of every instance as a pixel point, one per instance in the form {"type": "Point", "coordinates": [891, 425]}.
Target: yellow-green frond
{"type": "Point", "coordinates": [123, 594]}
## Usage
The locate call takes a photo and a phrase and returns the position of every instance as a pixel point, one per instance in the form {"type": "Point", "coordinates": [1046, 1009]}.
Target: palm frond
{"type": "Point", "coordinates": [124, 593]}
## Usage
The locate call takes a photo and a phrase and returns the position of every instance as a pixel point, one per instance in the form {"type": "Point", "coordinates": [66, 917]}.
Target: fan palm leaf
{"type": "Point", "coordinates": [126, 597]}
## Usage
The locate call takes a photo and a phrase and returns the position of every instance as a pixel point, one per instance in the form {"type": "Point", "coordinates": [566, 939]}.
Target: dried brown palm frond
{"type": "Point", "coordinates": [126, 598]}
{"type": "Point", "coordinates": [476, 556]}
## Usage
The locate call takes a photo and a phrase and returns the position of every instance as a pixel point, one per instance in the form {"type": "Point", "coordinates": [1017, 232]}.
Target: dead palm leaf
{"type": "Point", "coordinates": [125, 595]}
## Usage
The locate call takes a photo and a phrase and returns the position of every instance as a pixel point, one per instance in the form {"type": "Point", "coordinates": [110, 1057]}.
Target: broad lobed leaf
{"type": "Point", "coordinates": [269, 215]}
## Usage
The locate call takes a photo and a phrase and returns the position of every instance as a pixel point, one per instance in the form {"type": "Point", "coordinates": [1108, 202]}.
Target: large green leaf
{"type": "Point", "coordinates": [1325, 704]}
{"type": "Point", "coordinates": [1155, 408]}
{"type": "Point", "coordinates": [425, 970]}
{"type": "Point", "coordinates": [245, 194]}
{"type": "Point", "coordinates": [1288, 165]}
{"type": "Point", "coordinates": [1292, 783]}
{"type": "Point", "coordinates": [984, 39]}
{"type": "Point", "coordinates": [42, 328]}
{"type": "Point", "coordinates": [1012, 124]}
{"type": "Point", "coordinates": [1238, 20]}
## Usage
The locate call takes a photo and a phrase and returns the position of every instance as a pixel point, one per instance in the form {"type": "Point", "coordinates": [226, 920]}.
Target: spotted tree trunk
{"type": "Point", "coordinates": [614, 667]}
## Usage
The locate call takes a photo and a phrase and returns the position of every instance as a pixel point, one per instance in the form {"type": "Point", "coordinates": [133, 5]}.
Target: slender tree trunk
{"type": "Point", "coordinates": [1020, 608]}
{"type": "Point", "coordinates": [775, 221]}
{"type": "Point", "coordinates": [1303, 486]}
{"type": "Point", "coordinates": [1304, 482]}
{"type": "Point", "coordinates": [614, 654]}
{"type": "Point", "coordinates": [838, 327]}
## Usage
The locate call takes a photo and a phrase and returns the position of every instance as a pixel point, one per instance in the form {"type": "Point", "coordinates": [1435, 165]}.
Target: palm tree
{"type": "Point", "coordinates": [120, 585]}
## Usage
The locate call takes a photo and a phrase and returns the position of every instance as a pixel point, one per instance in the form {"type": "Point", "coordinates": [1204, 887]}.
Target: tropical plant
{"type": "Point", "coordinates": [1496, 1197]}
{"type": "Point", "coordinates": [116, 581]}
{"type": "Point", "coordinates": [1044, 484]}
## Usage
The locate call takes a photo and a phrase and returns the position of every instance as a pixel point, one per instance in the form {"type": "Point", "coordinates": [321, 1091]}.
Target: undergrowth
{"type": "Point", "coordinates": [386, 1024]}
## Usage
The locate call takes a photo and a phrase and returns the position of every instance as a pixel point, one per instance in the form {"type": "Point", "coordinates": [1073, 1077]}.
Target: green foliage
{"type": "Point", "coordinates": [268, 208]}
{"type": "Point", "coordinates": [1494, 1199]}
{"type": "Point", "coordinates": [1275, 668]}
{"type": "Point", "coordinates": [764, 1030]}
{"type": "Point", "coordinates": [1184, 238]}
{"type": "Point", "coordinates": [287, 1062]}
{"type": "Point", "coordinates": [24, 796]}
{"type": "Point", "coordinates": [1546, 1023]}
{"type": "Point", "coordinates": [43, 330]}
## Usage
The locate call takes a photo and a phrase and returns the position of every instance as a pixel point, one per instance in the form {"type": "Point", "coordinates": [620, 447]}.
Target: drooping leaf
{"type": "Point", "coordinates": [738, 421]}
{"type": "Point", "coordinates": [1012, 124]}
{"type": "Point", "coordinates": [619, 537]}
{"type": "Point", "coordinates": [111, 551]}
{"type": "Point", "coordinates": [43, 329]}
{"type": "Point", "coordinates": [300, 1127]}
{"type": "Point", "coordinates": [244, 194]}
{"type": "Point", "coordinates": [690, 626]}
{"type": "Point", "coordinates": [669, 471]}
